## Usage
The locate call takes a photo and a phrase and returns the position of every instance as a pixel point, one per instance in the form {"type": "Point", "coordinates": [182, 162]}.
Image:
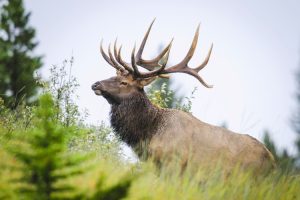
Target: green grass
{"type": "Point", "coordinates": [149, 183]}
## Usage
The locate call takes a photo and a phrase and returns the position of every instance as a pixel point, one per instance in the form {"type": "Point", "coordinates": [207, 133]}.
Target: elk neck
{"type": "Point", "coordinates": [136, 119]}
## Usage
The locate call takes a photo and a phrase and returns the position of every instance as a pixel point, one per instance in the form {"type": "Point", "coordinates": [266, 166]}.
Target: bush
{"type": "Point", "coordinates": [161, 95]}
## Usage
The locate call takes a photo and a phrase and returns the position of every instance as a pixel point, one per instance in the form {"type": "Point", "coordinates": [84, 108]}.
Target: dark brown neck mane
{"type": "Point", "coordinates": [135, 119]}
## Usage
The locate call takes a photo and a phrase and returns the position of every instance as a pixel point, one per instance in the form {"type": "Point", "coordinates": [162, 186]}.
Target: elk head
{"type": "Point", "coordinates": [130, 79]}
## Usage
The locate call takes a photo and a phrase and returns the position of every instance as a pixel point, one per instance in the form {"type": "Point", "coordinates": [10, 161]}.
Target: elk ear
{"type": "Point", "coordinates": [147, 81]}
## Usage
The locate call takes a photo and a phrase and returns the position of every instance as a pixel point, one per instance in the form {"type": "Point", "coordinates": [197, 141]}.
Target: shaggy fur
{"type": "Point", "coordinates": [131, 115]}
{"type": "Point", "coordinates": [135, 119]}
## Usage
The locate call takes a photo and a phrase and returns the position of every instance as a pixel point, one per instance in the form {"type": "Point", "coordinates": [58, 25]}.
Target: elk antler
{"type": "Point", "coordinates": [183, 65]}
{"type": "Point", "coordinates": [118, 57]}
{"type": "Point", "coordinates": [137, 60]}
{"type": "Point", "coordinates": [147, 64]}
{"type": "Point", "coordinates": [150, 64]}
{"type": "Point", "coordinates": [110, 59]}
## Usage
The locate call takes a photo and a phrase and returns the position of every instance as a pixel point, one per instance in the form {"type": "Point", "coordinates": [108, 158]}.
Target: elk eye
{"type": "Point", "coordinates": [124, 83]}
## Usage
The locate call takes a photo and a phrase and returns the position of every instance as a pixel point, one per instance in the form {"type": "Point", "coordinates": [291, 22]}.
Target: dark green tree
{"type": "Point", "coordinates": [285, 162]}
{"type": "Point", "coordinates": [296, 115]}
{"type": "Point", "coordinates": [43, 153]}
{"type": "Point", "coordinates": [17, 60]}
{"type": "Point", "coordinates": [117, 191]}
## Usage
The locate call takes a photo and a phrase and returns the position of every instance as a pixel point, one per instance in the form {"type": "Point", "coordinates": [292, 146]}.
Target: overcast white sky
{"type": "Point", "coordinates": [255, 55]}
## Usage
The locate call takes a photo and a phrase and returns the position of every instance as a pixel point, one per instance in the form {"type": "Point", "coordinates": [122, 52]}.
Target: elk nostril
{"type": "Point", "coordinates": [94, 86]}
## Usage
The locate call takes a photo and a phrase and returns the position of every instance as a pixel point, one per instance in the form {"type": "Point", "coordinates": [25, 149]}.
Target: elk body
{"type": "Point", "coordinates": [167, 134]}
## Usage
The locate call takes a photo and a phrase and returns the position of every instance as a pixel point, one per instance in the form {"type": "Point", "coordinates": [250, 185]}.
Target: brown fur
{"type": "Point", "coordinates": [168, 134]}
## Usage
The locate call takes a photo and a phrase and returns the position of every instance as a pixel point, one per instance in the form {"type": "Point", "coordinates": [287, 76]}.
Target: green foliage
{"type": "Point", "coordinates": [17, 62]}
{"type": "Point", "coordinates": [117, 191]}
{"type": "Point", "coordinates": [285, 162]}
{"type": "Point", "coordinates": [213, 184]}
{"type": "Point", "coordinates": [161, 94]}
{"type": "Point", "coordinates": [44, 147]}
{"type": "Point", "coordinates": [63, 85]}
{"type": "Point", "coordinates": [7, 164]}
{"type": "Point", "coordinates": [10, 120]}
{"type": "Point", "coordinates": [45, 161]}
{"type": "Point", "coordinates": [98, 140]}
{"type": "Point", "coordinates": [186, 106]}
{"type": "Point", "coordinates": [296, 117]}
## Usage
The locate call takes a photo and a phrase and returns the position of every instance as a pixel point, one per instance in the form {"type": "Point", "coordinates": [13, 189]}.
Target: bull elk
{"type": "Point", "coordinates": [167, 133]}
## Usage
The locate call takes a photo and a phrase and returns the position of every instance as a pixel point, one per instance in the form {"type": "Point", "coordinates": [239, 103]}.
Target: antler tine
{"type": "Point", "coordinates": [133, 63]}
{"type": "Point", "coordinates": [108, 60]}
{"type": "Point", "coordinates": [204, 63]}
{"type": "Point", "coordinates": [138, 57]}
{"type": "Point", "coordinates": [191, 51]}
{"type": "Point", "coordinates": [117, 55]}
{"type": "Point", "coordinates": [113, 60]}
{"type": "Point", "coordinates": [120, 60]}
{"type": "Point", "coordinates": [149, 64]}
{"type": "Point", "coordinates": [115, 49]}
{"type": "Point", "coordinates": [166, 53]}
{"type": "Point", "coordinates": [183, 65]}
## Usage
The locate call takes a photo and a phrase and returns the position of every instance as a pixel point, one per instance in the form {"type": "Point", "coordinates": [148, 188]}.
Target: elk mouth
{"type": "Point", "coordinates": [98, 92]}
{"type": "Point", "coordinates": [96, 88]}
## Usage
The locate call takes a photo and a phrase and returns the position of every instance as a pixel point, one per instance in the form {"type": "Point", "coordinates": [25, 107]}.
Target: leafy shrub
{"type": "Point", "coordinates": [63, 85]}
{"type": "Point", "coordinates": [161, 95]}
{"type": "Point", "coordinates": [10, 120]}
{"type": "Point", "coordinates": [97, 139]}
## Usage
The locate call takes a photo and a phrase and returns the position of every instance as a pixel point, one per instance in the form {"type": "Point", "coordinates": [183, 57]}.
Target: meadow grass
{"type": "Point", "coordinates": [149, 182]}
{"type": "Point", "coordinates": [171, 183]}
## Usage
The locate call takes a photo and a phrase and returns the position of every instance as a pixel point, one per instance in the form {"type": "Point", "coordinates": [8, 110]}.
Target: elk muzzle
{"type": "Point", "coordinates": [97, 88]}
